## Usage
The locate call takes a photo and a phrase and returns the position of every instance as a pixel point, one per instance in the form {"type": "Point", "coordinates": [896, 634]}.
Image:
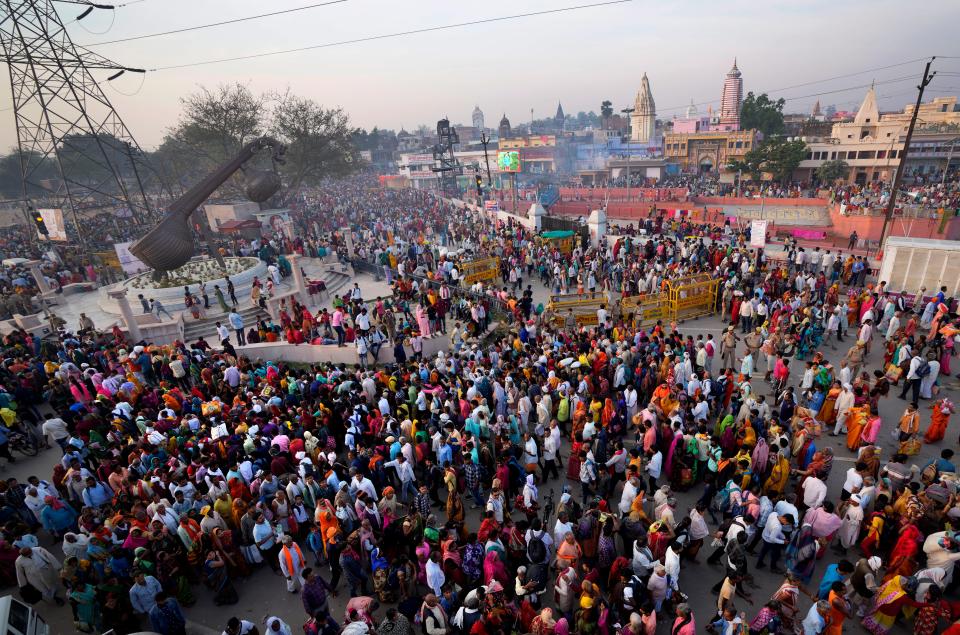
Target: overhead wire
{"type": "Point", "coordinates": [221, 23]}
{"type": "Point", "coordinates": [385, 36]}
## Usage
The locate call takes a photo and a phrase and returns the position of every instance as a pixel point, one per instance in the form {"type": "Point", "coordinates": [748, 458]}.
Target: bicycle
{"type": "Point", "coordinates": [23, 443]}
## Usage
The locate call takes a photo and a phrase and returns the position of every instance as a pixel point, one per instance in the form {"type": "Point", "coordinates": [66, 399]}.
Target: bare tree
{"type": "Point", "coordinates": [318, 140]}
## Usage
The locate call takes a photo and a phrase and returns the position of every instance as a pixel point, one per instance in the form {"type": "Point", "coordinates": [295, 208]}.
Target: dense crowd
{"type": "Point", "coordinates": [187, 467]}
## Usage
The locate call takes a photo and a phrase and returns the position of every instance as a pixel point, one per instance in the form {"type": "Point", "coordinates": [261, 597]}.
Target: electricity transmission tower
{"type": "Point", "coordinates": [75, 151]}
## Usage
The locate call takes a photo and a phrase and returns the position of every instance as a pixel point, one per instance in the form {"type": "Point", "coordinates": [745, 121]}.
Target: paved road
{"type": "Point", "coordinates": [264, 593]}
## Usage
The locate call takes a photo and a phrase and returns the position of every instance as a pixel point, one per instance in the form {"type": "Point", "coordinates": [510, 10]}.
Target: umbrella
{"type": "Point", "coordinates": [13, 262]}
{"type": "Point", "coordinates": [21, 282]}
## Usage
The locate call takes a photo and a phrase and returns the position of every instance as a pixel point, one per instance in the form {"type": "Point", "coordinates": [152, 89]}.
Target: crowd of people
{"type": "Point", "coordinates": [186, 468]}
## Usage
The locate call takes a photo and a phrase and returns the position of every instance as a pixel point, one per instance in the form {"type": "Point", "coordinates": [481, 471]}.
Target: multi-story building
{"type": "Point", "coordinates": [872, 144]}
{"type": "Point", "coordinates": [709, 151]}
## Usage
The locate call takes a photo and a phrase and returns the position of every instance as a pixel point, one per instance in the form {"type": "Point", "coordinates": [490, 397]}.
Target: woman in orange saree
{"type": "Point", "coordinates": [938, 421]}
{"type": "Point", "coordinates": [856, 420]}
{"type": "Point", "coordinates": [579, 418]}
{"type": "Point", "coordinates": [828, 413]}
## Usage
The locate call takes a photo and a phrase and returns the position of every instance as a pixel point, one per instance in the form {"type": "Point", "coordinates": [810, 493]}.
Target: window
{"type": "Point", "coordinates": [739, 144]}
{"type": "Point", "coordinates": [842, 156]}
{"type": "Point", "coordinates": [729, 144]}
{"type": "Point", "coordinates": [866, 154]}
{"type": "Point", "coordinates": [849, 136]}
{"type": "Point", "coordinates": [808, 157]}
{"type": "Point", "coordinates": [833, 155]}
{"type": "Point", "coordinates": [881, 154]}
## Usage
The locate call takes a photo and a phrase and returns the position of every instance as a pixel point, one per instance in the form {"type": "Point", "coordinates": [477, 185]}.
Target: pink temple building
{"type": "Point", "coordinates": [731, 99]}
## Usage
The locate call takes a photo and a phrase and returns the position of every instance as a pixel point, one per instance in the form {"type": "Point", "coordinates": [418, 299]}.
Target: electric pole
{"type": "Point", "coordinates": [892, 203]}
{"type": "Point", "coordinates": [485, 140]}
{"type": "Point", "coordinates": [628, 112]}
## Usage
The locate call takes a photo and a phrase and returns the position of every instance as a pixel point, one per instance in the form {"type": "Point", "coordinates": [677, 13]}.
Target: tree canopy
{"type": "Point", "coordinates": [833, 171]}
{"type": "Point", "coordinates": [776, 156]}
{"type": "Point", "coordinates": [216, 123]}
{"type": "Point", "coordinates": [759, 112]}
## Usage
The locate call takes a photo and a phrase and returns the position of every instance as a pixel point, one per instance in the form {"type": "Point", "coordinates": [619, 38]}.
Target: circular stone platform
{"type": "Point", "coordinates": [242, 271]}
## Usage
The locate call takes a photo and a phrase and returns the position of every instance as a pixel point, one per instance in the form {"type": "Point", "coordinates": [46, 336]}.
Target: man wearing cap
{"type": "Point", "coordinates": [728, 347]}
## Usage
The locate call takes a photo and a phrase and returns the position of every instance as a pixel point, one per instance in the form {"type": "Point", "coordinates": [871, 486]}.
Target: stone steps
{"type": "Point", "coordinates": [207, 327]}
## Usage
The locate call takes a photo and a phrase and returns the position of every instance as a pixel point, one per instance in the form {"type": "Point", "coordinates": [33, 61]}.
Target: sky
{"type": "Point", "coordinates": [578, 58]}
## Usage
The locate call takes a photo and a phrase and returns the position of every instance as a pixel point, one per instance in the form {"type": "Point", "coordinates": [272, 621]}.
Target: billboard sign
{"type": "Point", "coordinates": [508, 161]}
{"type": "Point", "coordinates": [128, 262]}
{"type": "Point", "coordinates": [758, 234]}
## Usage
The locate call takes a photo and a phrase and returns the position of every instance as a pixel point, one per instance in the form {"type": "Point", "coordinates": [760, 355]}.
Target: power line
{"type": "Point", "coordinates": [213, 24]}
{"type": "Point", "coordinates": [385, 36]}
{"type": "Point", "coordinates": [840, 90]}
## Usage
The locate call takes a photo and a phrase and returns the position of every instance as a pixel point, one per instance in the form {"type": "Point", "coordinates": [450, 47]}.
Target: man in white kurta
{"type": "Point", "coordinates": [37, 567]}
{"type": "Point", "coordinates": [852, 519]}
{"type": "Point", "coordinates": [292, 564]}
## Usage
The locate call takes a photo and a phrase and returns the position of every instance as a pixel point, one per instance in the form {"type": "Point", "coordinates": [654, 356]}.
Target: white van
{"type": "Point", "coordinates": [18, 618]}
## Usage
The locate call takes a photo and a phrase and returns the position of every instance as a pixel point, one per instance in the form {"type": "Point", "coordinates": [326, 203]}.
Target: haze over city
{"type": "Point", "coordinates": [578, 57]}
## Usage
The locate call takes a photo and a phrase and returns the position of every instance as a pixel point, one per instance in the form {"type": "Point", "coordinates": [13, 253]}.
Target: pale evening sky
{"type": "Point", "coordinates": [579, 58]}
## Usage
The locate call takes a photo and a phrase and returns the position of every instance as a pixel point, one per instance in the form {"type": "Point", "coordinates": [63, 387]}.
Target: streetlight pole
{"type": "Point", "coordinates": [927, 78]}
{"type": "Point", "coordinates": [628, 112]}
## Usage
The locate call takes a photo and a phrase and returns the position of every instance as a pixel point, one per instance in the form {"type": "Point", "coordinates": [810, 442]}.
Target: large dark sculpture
{"type": "Point", "coordinates": [169, 245]}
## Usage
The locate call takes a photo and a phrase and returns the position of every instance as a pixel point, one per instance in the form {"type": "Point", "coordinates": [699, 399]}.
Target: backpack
{"type": "Point", "coordinates": [929, 474]}
{"type": "Point", "coordinates": [536, 549]}
{"type": "Point", "coordinates": [718, 388]}
{"type": "Point", "coordinates": [923, 369]}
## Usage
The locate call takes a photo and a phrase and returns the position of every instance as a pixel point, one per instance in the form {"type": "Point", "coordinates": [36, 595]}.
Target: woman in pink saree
{"type": "Point", "coordinates": [870, 431]}
{"type": "Point", "coordinates": [494, 569]}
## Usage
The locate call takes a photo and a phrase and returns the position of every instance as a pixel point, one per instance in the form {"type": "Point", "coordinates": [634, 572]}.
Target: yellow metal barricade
{"type": "Point", "coordinates": [484, 269]}
{"type": "Point", "coordinates": [584, 308]}
{"type": "Point", "coordinates": [692, 296]}
{"type": "Point", "coordinates": [645, 310]}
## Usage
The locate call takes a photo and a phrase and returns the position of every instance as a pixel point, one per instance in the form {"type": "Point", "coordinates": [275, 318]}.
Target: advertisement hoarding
{"type": "Point", "coordinates": [128, 262]}
{"type": "Point", "coordinates": [508, 161]}
{"type": "Point", "coordinates": [758, 234]}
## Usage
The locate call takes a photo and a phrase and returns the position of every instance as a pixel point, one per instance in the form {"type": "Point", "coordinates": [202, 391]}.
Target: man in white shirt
{"type": "Point", "coordinates": [550, 449]}
{"type": "Point", "coordinates": [773, 540]}
{"type": "Point", "coordinates": [56, 428]}
{"type": "Point", "coordinates": [653, 467]}
{"type": "Point", "coordinates": [814, 492]}
{"type": "Point", "coordinates": [407, 477]}
{"type": "Point", "coordinates": [629, 493]}
{"type": "Point", "coordinates": [853, 481]}
{"type": "Point", "coordinates": [223, 332]}
{"type": "Point", "coordinates": [913, 378]}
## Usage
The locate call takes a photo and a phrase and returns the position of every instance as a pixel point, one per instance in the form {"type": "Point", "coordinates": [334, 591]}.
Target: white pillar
{"type": "Point", "coordinates": [299, 284]}
{"type": "Point", "coordinates": [120, 295]}
{"type": "Point", "coordinates": [348, 240]}
{"type": "Point", "coordinates": [38, 275]}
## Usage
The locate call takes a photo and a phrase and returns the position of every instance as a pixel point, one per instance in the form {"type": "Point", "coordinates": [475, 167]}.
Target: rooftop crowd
{"type": "Point", "coordinates": [186, 468]}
